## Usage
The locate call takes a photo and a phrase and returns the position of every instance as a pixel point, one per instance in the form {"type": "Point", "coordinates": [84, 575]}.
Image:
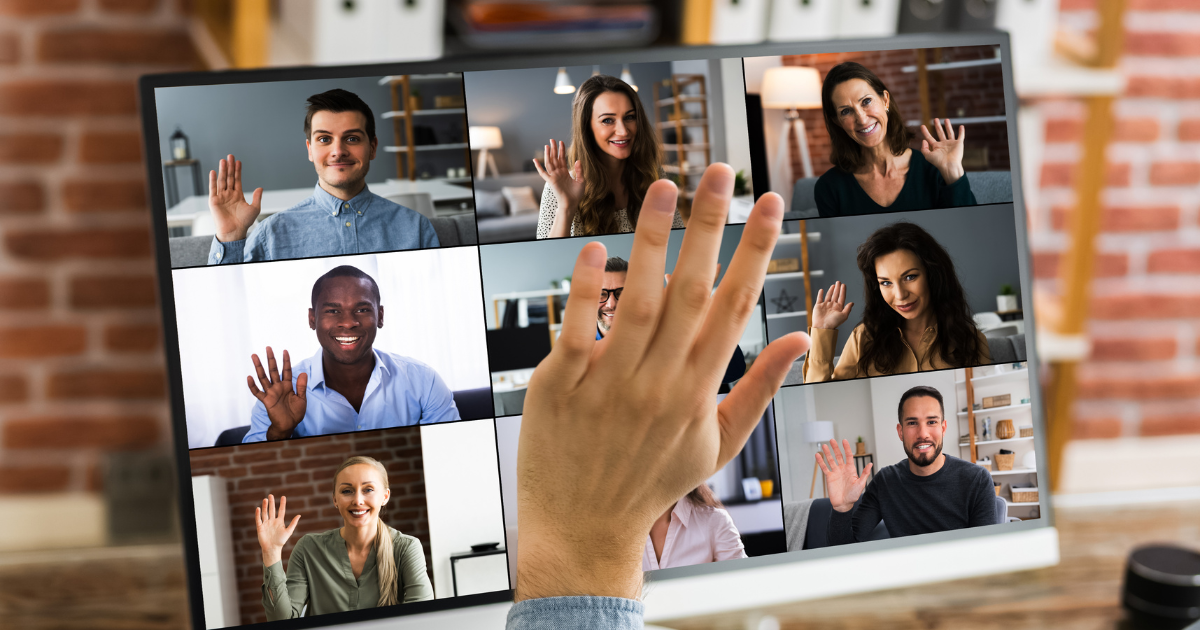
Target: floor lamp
{"type": "Point", "coordinates": [818, 433]}
{"type": "Point", "coordinates": [484, 138]}
{"type": "Point", "coordinates": [791, 88]}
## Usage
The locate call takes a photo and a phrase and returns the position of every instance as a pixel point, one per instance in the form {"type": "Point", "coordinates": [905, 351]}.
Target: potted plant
{"type": "Point", "coordinates": [860, 447]}
{"type": "Point", "coordinates": [1007, 300]}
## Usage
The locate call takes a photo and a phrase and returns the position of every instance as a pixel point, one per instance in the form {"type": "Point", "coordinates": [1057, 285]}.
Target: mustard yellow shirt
{"type": "Point", "coordinates": [818, 366]}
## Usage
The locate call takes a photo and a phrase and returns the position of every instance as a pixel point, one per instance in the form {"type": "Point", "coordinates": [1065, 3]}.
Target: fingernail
{"type": "Point", "coordinates": [593, 256]}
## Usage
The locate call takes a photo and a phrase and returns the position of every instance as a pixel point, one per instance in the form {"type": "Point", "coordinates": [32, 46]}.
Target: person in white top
{"type": "Point", "coordinates": [596, 186]}
{"type": "Point", "coordinates": [696, 530]}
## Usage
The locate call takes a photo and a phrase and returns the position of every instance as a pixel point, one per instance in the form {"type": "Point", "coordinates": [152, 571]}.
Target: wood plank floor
{"type": "Point", "coordinates": [142, 588]}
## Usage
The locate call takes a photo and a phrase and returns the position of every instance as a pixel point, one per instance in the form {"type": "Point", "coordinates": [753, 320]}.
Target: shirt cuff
{"type": "Point", "coordinates": [569, 613]}
{"type": "Point", "coordinates": [226, 253]}
{"type": "Point", "coordinates": [273, 576]}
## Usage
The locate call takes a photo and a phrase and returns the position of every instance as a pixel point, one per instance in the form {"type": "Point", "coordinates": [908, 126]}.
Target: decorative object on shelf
{"type": "Point", "coordinates": [741, 185]}
{"type": "Point", "coordinates": [1002, 400]}
{"type": "Point", "coordinates": [996, 486]}
{"type": "Point", "coordinates": [1024, 495]}
{"type": "Point", "coordinates": [485, 139]}
{"type": "Point", "coordinates": [449, 101]}
{"type": "Point", "coordinates": [791, 88]}
{"type": "Point", "coordinates": [1029, 461]}
{"type": "Point", "coordinates": [1005, 459]}
{"type": "Point", "coordinates": [411, 139]}
{"type": "Point", "coordinates": [976, 406]}
{"type": "Point", "coordinates": [752, 488]}
{"type": "Point", "coordinates": [179, 145]}
{"type": "Point", "coordinates": [1024, 401]}
{"type": "Point", "coordinates": [1027, 430]}
{"type": "Point", "coordinates": [816, 433]}
{"type": "Point", "coordinates": [1007, 299]}
{"type": "Point", "coordinates": [986, 462]}
{"type": "Point", "coordinates": [860, 447]}
{"type": "Point", "coordinates": [784, 303]}
{"type": "Point", "coordinates": [768, 487]}
{"type": "Point", "coordinates": [562, 82]}
{"type": "Point", "coordinates": [783, 265]}
{"type": "Point", "coordinates": [987, 429]}
{"type": "Point", "coordinates": [1004, 430]}
{"type": "Point", "coordinates": [414, 100]}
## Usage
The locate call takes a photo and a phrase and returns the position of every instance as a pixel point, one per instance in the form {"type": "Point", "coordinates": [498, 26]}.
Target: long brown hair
{"type": "Point", "coordinates": [703, 496]}
{"type": "Point", "coordinates": [597, 211]}
{"type": "Point", "coordinates": [846, 154]}
{"type": "Point", "coordinates": [957, 340]}
{"type": "Point", "coordinates": [385, 555]}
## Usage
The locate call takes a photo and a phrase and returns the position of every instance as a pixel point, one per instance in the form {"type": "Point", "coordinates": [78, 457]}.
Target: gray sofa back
{"type": "Point", "coordinates": [987, 186]}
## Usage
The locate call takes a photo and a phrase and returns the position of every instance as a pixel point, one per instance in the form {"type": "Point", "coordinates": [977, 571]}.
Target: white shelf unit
{"type": "Point", "coordinates": [1015, 383]}
{"type": "Point", "coordinates": [403, 113]}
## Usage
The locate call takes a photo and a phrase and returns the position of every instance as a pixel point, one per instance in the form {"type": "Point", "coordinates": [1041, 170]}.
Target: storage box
{"type": "Point", "coordinates": [453, 101]}
{"type": "Point", "coordinates": [783, 265]}
{"type": "Point", "coordinates": [1024, 495]}
{"type": "Point", "coordinates": [986, 463]}
{"type": "Point", "coordinates": [1027, 431]}
{"type": "Point", "coordinates": [997, 401]}
{"type": "Point", "coordinates": [1004, 461]}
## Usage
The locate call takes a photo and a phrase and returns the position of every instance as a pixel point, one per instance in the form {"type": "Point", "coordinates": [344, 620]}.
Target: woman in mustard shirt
{"type": "Point", "coordinates": [362, 564]}
{"type": "Point", "coordinates": [915, 316]}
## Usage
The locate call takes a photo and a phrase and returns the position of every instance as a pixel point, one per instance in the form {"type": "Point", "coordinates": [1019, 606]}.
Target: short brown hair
{"type": "Point", "coordinates": [846, 153]}
{"type": "Point", "coordinates": [338, 100]}
{"type": "Point", "coordinates": [616, 264]}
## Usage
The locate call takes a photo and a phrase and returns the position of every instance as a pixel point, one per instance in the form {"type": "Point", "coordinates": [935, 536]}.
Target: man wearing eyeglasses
{"type": "Point", "coordinates": [615, 270]}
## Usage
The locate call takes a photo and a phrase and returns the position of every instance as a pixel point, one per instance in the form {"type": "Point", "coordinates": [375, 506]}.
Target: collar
{"type": "Point", "coordinates": [683, 510]}
{"type": "Point", "coordinates": [316, 372]}
{"type": "Point", "coordinates": [335, 206]}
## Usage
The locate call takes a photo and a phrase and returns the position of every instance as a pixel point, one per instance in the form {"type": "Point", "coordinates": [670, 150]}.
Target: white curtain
{"type": "Point", "coordinates": [432, 312]}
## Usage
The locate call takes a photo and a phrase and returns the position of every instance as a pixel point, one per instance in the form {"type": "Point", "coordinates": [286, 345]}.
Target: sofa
{"type": "Point", "coordinates": [496, 223]}
{"type": "Point", "coordinates": [814, 532]}
{"type": "Point", "coordinates": [987, 186]}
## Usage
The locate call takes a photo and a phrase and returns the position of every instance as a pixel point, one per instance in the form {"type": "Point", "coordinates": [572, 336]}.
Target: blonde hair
{"type": "Point", "coordinates": [385, 556]}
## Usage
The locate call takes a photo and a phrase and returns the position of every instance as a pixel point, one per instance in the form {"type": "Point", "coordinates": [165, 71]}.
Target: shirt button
{"type": "Point", "coordinates": [218, 255]}
{"type": "Point", "coordinates": [347, 224]}
{"type": "Point", "coordinates": [360, 213]}
{"type": "Point", "coordinates": [346, 205]}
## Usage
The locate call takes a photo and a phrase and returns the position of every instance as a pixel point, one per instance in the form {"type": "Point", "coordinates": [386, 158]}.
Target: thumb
{"type": "Point", "coordinates": [924, 146]}
{"type": "Point", "coordinates": [292, 527]}
{"type": "Point", "coordinates": [576, 171]}
{"type": "Point", "coordinates": [302, 385]}
{"type": "Point", "coordinates": [849, 305]}
{"type": "Point", "coordinates": [256, 200]}
{"type": "Point", "coordinates": [741, 410]}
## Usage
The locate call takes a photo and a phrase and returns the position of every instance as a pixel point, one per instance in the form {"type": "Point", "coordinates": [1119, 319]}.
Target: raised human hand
{"type": "Point", "coordinates": [842, 476]}
{"type": "Point", "coordinates": [830, 309]}
{"type": "Point", "coordinates": [565, 179]}
{"type": "Point", "coordinates": [285, 404]}
{"type": "Point", "coordinates": [273, 530]}
{"type": "Point", "coordinates": [588, 491]}
{"type": "Point", "coordinates": [231, 214]}
{"type": "Point", "coordinates": [946, 152]}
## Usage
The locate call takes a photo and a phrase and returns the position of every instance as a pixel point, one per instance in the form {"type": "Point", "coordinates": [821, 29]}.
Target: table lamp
{"type": "Point", "coordinates": [791, 88]}
{"type": "Point", "coordinates": [818, 433]}
{"type": "Point", "coordinates": [485, 138]}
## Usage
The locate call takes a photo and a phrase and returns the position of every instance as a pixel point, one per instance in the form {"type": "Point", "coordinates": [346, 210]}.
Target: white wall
{"type": "Point", "coordinates": [772, 124]}
{"type": "Point", "coordinates": [845, 403]}
{"type": "Point", "coordinates": [462, 491]}
{"type": "Point", "coordinates": [885, 397]}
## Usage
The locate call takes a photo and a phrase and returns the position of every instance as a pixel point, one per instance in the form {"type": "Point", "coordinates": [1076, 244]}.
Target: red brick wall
{"type": "Point", "coordinates": [965, 92]}
{"type": "Point", "coordinates": [1142, 377]}
{"type": "Point", "coordinates": [81, 366]}
{"type": "Point", "coordinates": [302, 470]}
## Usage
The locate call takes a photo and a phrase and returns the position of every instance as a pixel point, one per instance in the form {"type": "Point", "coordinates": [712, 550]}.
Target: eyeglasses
{"type": "Point", "coordinates": [615, 293]}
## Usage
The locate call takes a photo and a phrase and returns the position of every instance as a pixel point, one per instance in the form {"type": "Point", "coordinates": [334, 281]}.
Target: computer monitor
{"type": "Point", "coordinates": [407, 195]}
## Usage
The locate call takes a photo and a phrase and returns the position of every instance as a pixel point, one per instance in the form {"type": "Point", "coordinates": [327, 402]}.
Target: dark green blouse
{"type": "Point", "coordinates": [839, 194]}
{"type": "Point", "coordinates": [319, 576]}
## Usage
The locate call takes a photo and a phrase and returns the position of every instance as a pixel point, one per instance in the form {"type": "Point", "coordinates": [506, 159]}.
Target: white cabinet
{"type": "Point", "coordinates": [218, 578]}
{"type": "Point", "coordinates": [328, 32]}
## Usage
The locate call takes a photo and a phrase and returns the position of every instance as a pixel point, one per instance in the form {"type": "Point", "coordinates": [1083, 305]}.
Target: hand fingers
{"type": "Point", "coordinates": [841, 294]}
{"type": "Point", "coordinates": [291, 528]}
{"type": "Point", "coordinates": [828, 458]}
{"type": "Point", "coordinates": [256, 201]}
{"type": "Point", "coordinates": [941, 130]}
{"type": "Point", "coordinates": [820, 297]}
{"type": "Point", "coordinates": [846, 450]}
{"type": "Point", "coordinates": [258, 518]}
{"type": "Point", "coordinates": [741, 410]}
{"type": "Point", "coordinates": [227, 184]}
{"type": "Point", "coordinates": [286, 376]}
{"type": "Point", "coordinates": [262, 375]}
{"type": "Point", "coordinates": [962, 133]}
{"type": "Point", "coordinates": [272, 368]}
{"type": "Point", "coordinates": [949, 129]}
{"type": "Point", "coordinates": [212, 183]}
{"type": "Point", "coordinates": [282, 507]}
{"type": "Point", "coordinates": [924, 146]}
{"type": "Point", "coordinates": [302, 386]}
{"type": "Point", "coordinates": [253, 389]}
{"type": "Point", "coordinates": [237, 177]}
{"type": "Point", "coordinates": [837, 454]}
{"type": "Point", "coordinates": [220, 179]}
{"type": "Point", "coordinates": [271, 506]}
{"type": "Point", "coordinates": [846, 309]}
{"type": "Point", "coordinates": [739, 292]}
{"type": "Point", "coordinates": [928, 137]}
{"type": "Point", "coordinates": [821, 463]}
{"type": "Point", "coordinates": [865, 475]}
{"type": "Point", "coordinates": [578, 336]}
{"type": "Point", "coordinates": [562, 154]}
{"type": "Point", "coordinates": [538, 168]}
{"type": "Point", "coordinates": [578, 171]}
{"type": "Point", "coordinates": [641, 302]}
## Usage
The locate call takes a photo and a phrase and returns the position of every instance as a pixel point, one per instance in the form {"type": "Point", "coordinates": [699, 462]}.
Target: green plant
{"type": "Point", "coordinates": [1006, 289]}
{"type": "Point", "coordinates": [740, 185]}
{"type": "Point", "coordinates": [860, 438]}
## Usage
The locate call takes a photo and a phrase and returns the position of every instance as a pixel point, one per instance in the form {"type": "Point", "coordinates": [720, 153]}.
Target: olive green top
{"type": "Point", "coordinates": [319, 576]}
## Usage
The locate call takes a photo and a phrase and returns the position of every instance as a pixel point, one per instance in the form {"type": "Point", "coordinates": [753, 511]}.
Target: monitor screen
{"type": "Point", "coordinates": [298, 211]}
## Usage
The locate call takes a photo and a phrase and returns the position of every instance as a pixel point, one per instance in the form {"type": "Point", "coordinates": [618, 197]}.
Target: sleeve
{"type": "Point", "coordinates": [983, 503]}
{"type": "Point", "coordinates": [576, 613]}
{"type": "Point", "coordinates": [826, 197]}
{"type": "Point", "coordinates": [546, 212]}
{"type": "Point", "coordinates": [285, 597]}
{"type": "Point", "coordinates": [857, 524]}
{"type": "Point", "coordinates": [956, 194]}
{"type": "Point", "coordinates": [437, 405]}
{"type": "Point", "coordinates": [413, 575]}
{"type": "Point", "coordinates": [818, 363]}
{"type": "Point", "coordinates": [259, 423]}
{"type": "Point", "coordinates": [428, 234]}
{"type": "Point", "coordinates": [226, 253]}
{"type": "Point", "coordinates": [727, 542]}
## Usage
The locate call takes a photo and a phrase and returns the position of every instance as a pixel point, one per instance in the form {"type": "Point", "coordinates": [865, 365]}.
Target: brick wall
{"type": "Point", "coordinates": [81, 367]}
{"type": "Point", "coordinates": [302, 470]}
{"type": "Point", "coordinates": [975, 91]}
{"type": "Point", "coordinates": [1142, 377]}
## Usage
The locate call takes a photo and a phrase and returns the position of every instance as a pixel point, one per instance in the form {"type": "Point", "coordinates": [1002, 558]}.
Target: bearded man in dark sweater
{"type": "Point", "coordinates": [928, 492]}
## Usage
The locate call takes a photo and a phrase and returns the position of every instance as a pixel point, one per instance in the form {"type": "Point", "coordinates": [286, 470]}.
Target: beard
{"type": "Point", "coordinates": [602, 322]}
{"type": "Point", "coordinates": [923, 459]}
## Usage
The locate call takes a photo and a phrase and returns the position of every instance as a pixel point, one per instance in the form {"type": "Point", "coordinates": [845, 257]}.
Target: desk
{"type": "Point", "coordinates": [497, 560]}
{"type": "Point", "coordinates": [193, 212]}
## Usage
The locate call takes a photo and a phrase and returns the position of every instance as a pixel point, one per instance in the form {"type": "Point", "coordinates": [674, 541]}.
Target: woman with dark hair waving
{"type": "Point", "coordinates": [363, 564]}
{"type": "Point", "coordinates": [915, 316]}
{"type": "Point", "coordinates": [596, 186]}
{"type": "Point", "coordinates": [874, 170]}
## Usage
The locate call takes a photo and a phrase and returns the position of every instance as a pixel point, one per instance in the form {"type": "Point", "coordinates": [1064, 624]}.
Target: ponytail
{"type": "Point", "coordinates": [385, 554]}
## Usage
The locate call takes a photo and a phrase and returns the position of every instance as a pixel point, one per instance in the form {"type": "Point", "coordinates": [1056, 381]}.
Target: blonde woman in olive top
{"type": "Point", "coordinates": [363, 564]}
{"type": "Point", "coordinates": [915, 318]}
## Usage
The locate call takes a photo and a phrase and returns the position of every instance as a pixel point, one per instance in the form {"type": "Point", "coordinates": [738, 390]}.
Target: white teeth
{"type": "Point", "coordinates": [347, 339]}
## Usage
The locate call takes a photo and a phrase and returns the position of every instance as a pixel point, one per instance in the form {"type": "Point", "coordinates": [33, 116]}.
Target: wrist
{"type": "Point", "coordinates": [275, 433]}
{"type": "Point", "coordinates": [953, 173]}
{"type": "Point", "coordinates": [843, 508]}
{"type": "Point", "coordinates": [272, 557]}
{"type": "Point", "coordinates": [236, 235]}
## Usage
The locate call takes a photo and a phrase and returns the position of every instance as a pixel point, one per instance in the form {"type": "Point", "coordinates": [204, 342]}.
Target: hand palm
{"type": "Point", "coordinates": [284, 407]}
{"type": "Point", "coordinates": [565, 179]}
{"type": "Point", "coordinates": [830, 309]}
{"type": "Point", "coordinates": [272, 526]}
{"type": "Point", "coordinates": [232, 215]}
{"type": "Point", "coordinates": [945, 152]}
{"type": "Point", "coordinates": [845, 483]}
{"type": "Point", "coordinates": [284, 403]}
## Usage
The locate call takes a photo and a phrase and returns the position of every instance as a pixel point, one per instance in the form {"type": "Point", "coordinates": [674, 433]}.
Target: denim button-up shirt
{"type": "Point", "coordinates": [324, 225]}
{"type": "Point", "coordinates": [400, 392]}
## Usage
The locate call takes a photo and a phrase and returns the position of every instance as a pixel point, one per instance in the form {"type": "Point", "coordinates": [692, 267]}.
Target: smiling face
{"type": "Point", "coordinates": [921, 429]}
{"type": "Point", "coordinates": [340, 150]}
{"type": "Point", "coordinates": [359, 493]}
{"type": "Point", "coordinates": [346, 317]}
{"type": "Point", "coordinates": [860, 112]}
{"type": "Point", "coordinates": [903, 283]}
{"type": "Point", "coordinates": [608, 309]}
{"type": "Point", "coordinates": [614, 124]}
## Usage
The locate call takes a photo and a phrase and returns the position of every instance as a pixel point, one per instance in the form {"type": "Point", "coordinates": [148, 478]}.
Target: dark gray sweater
{"type": "Point", "coordinates": [959, 495]}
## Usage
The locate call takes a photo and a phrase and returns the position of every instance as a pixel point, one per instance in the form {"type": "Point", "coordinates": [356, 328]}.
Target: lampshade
{"type": "Point", "coordinates": [816, 432]}
{"type": "Point", "coordinates": [791, 87]}
{"type": "Point", "coordinates": [627, 77]}
{"type": "Point", "coordinates": [485, 137]}
{"type": "Point", "coordinates": [562, 83]}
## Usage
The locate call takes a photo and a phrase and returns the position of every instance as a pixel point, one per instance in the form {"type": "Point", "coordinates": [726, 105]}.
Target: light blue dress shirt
{"type": "Point", "coordinates": [324, 225]}
{"type": "Point", "coordinates": [572, 613]}
{"type": "Point", "coordinates": [401, 392]}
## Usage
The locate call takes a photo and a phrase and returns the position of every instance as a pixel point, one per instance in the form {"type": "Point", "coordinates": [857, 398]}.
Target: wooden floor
{"type": "Point", "coordinates": [142, 588]}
